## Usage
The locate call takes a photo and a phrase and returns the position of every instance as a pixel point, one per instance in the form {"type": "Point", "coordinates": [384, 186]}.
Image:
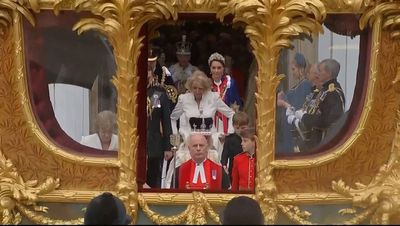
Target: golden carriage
{"type": "Point", "coordinates": [358, 174]}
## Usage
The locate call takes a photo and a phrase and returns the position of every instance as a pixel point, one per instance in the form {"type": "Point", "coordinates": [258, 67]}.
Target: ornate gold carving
{"type": "Point", "coordinates": [8, 6]}
{"type": "Point", "coordinates": [353, 6]}
{"type": "Point", "coordinates": [121, 23]}
{"type": "Point", "coordinates": [21, 140]}
{"type": "Point", "coordinates": [199, 5]}
{"type": "Point", "coordinates": [390, 13]}
{"type": "Point", "coordinates": [381, 197]}
{"type": "Point", "coordinates": [270, 31]}
{"type": "Point", "coordinates": [270, 25]}
{"type": "Point", "coordinates": [194, 214]}
{"type": "Point", "coordinates": [295, 214]}
{"type": "Point", "coordinates": [18, 196]}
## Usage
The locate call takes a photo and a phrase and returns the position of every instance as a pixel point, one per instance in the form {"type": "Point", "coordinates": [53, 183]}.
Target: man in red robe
{"type": "Point", "coordinates": [200, 172]}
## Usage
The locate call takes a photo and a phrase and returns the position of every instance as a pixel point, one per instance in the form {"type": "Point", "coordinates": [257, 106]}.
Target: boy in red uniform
{"type": "Point", "coordinates": [243, 163]}
{"type": "Point", "coordinates": [232, 144]}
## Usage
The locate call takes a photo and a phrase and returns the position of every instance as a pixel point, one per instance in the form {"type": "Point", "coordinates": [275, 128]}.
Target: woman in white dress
{"type": "Point", "coordinates": [199, 103]}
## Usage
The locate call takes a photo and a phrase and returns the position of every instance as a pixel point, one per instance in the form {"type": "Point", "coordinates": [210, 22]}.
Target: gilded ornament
{"type": "Point", "coordinates": [18, 196]}
{"type": "Point", "coordinates": [354, 6]}
{"type": "Point", "coordinates": [121, 22]}
{"type": "Point", "coordinates": [8, 6]}
{"type": "Point", "coordinates": [270, 25]}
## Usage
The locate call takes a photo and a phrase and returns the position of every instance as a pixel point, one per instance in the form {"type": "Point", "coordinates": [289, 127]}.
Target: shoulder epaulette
{"type": "Point", "coordinates": [331, 87]}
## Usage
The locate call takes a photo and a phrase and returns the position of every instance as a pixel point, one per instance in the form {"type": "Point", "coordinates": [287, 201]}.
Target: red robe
{"type": "Point", "coordinates": [243, 172]}
{"type": "Point", "coordinates": [213, 173]}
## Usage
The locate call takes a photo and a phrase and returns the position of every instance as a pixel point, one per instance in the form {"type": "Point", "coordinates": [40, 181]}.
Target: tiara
{"type": "Point", "coordinates": [216, 56]}
{"type": "Point", "coordinates": [183, 47]}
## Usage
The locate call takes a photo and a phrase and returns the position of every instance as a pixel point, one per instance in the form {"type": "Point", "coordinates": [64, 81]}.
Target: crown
{"type": "Point", "coordinates": [183, 47]}
{"type": "Point", "coordinates": [201, 125]}
{"type": "Point", "coordinates": [216, 56]}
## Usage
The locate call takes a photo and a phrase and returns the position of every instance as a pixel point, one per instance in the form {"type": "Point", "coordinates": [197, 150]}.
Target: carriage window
{"type": "Point", "coordinates": [70, 83]}
{"type": "Point", "coordinates": [318, 98]}
{"type": "Point", "coordinates": [198, 80]}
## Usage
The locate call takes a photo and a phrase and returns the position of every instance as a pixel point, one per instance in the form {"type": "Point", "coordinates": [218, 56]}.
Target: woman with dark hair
{"type": "Point", "coordinates": [225, 86]}
{"type": "Point", "coordinates": [294, 98]}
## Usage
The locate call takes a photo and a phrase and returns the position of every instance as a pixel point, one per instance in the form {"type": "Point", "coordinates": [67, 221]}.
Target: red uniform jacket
{"type": "Point", "coordinates": [213, 175]}
{"type": "Point", "coordinates": [243, 172]}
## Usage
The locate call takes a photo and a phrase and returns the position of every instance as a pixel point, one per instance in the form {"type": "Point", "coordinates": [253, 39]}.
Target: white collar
{"type": "Point", "coordinates": [199, 171]}
{"type": "Point", "coordinates": [218, 83]}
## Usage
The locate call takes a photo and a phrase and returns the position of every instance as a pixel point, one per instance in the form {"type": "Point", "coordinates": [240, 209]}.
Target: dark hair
{"type": "Point", "coordinates": [242, 210]}
{"type": "Point", "coordinates": [300, 60]}
{"type": "Point", "coordinates": [106, 209]}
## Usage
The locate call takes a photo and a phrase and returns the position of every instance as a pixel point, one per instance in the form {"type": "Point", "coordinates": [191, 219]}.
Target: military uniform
{"type": "Point", "coordinates": [243, 172]}
{"type": "Point", "coordinates": [320, 111]}
{"type": "Point", "coordinates": [158, 132]}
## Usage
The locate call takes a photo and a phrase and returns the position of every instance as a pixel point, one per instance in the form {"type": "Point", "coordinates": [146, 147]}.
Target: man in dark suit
{"type": "Point", "coordinates": [158, 127]}
{"type": "Point", "coordinates": [200, 172]}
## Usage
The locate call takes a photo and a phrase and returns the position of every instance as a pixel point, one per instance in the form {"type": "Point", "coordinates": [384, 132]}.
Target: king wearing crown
{"type": "Point", "coordinates": [182, 69]}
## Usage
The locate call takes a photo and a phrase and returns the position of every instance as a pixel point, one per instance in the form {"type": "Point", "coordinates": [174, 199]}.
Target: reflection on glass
{"type": "Point", "coordinates": [76, 70]}
{"type": "Point", "coordinates": [198, 76]}
{"type": "Point", "coordinates": [313, 99]}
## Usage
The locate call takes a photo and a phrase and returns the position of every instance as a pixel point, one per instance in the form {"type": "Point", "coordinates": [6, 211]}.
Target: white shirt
{"type": "Point", "coordinates": [93, 141]}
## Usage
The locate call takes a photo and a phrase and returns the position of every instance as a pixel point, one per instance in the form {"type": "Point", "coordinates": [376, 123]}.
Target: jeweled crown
{"type": "Point", "coordinates": [183, 47]}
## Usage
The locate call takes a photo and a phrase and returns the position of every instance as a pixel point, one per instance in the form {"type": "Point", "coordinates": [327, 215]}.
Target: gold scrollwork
{"type": "Point", "coordinates": [194, 213]}
{"type": "Point", "coordinates": [121, 22]}
{"type": "Point", "coordinates": [270, 31]}
{"type": "Point", "coordinates": [381, 197]}
{"type": "Point", "coordinates": [295, 214]}
{"type": "Point", "coordinates": [18, 196]}
{"type": "Point", "coordinates": [200, 5]}
{"type": "Point", "coordinates": [7, 7]}
{"type": "Point", "coordinates": [346, 5]}
{"type": "Point", "coordinates": [390, 13]}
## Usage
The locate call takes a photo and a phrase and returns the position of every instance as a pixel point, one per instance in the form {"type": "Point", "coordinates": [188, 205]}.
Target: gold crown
{"type": "Point", "coordinates": [183, 47]}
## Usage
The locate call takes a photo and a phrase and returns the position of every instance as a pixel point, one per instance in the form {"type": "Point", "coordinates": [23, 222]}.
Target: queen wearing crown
{"type": "Point", "coordinates": [196, 110]}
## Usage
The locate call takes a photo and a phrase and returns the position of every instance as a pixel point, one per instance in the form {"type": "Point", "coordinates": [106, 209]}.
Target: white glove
{"type": "Point", "coordinates": [290, 111]}
{"type": "Point", "coordinates": [290, 119]}
{"type": "Point", "coordinates": [299, 114]}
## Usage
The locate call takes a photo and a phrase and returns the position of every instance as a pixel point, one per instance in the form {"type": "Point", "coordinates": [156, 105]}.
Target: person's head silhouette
{"type": "Point", "coordinates": [106, 209]}
{"type": "Point", "coordinates": [242, 210]}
